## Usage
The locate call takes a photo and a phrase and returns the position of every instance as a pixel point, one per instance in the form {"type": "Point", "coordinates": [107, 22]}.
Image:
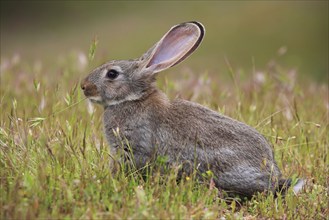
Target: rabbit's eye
{"type": "Point", "coordinates": [112, 74]}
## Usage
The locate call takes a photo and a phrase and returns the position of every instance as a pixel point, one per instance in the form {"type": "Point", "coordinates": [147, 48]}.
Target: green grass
{"type": "Point", "coordinates": [55, 160]}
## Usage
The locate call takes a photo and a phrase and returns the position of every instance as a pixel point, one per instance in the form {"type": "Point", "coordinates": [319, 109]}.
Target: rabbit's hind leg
{"type": "Point", "coordinates": [245, 182]}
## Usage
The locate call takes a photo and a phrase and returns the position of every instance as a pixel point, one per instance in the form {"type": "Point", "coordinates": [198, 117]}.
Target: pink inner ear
{"type": "Point", "coordinates": [174, 46]}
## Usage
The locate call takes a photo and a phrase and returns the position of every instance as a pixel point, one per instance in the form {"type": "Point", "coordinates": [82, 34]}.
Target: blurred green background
{"type": "Point", "coordinates": [250, 34]}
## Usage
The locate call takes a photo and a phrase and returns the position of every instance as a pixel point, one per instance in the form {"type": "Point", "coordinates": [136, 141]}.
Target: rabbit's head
{"type": "Point", "coordinates": [126, 80]}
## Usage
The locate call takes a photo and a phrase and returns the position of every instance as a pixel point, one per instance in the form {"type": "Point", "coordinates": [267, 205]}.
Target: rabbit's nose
{"type": "Point", "coordinates": [86, 85]}
{"type": "Point", "coordinates": [89, 89]}
{"type": "Point", "coordinates": [83, 84]}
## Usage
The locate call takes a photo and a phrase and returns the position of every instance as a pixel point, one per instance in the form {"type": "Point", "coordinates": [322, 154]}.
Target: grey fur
{"type": "Point", "coordinates": [240, 158]}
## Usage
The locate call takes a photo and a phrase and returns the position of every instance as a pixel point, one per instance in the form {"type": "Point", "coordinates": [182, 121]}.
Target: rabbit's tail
{"type": "Point", "coordinates": [285, 184]}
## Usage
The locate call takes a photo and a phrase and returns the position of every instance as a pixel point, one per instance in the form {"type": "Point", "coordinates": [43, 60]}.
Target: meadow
{"type": "Point", "coordinates": [54, 158]}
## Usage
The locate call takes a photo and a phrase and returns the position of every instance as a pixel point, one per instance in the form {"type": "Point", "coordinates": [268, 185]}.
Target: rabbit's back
{"type": "Point", "coordinates": [240, 157]}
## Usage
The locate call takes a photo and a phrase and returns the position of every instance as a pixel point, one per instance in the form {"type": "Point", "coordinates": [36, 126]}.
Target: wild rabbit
{"type": "Point", "coordinates": [240, 158]}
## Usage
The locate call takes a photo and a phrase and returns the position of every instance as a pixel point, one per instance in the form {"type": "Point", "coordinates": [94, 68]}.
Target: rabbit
{"type": "Point", "coordinates": [139, 116]}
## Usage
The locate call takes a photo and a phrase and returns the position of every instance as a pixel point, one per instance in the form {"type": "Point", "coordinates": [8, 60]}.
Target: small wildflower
{"type": "Point", "coordinates": [282, 50]}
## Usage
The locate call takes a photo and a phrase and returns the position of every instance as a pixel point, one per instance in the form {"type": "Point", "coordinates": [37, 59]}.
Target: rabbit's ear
{"type": "Point", "coordinates": [176, 45]}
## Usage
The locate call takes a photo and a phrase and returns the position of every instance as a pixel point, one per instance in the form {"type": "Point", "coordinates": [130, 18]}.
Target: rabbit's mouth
{"type": "Point", "coordinates": [96, 99]}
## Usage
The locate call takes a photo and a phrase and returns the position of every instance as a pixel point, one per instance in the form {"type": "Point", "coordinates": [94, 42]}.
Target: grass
{"type": "Point", "coordinates": [55, 160]}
